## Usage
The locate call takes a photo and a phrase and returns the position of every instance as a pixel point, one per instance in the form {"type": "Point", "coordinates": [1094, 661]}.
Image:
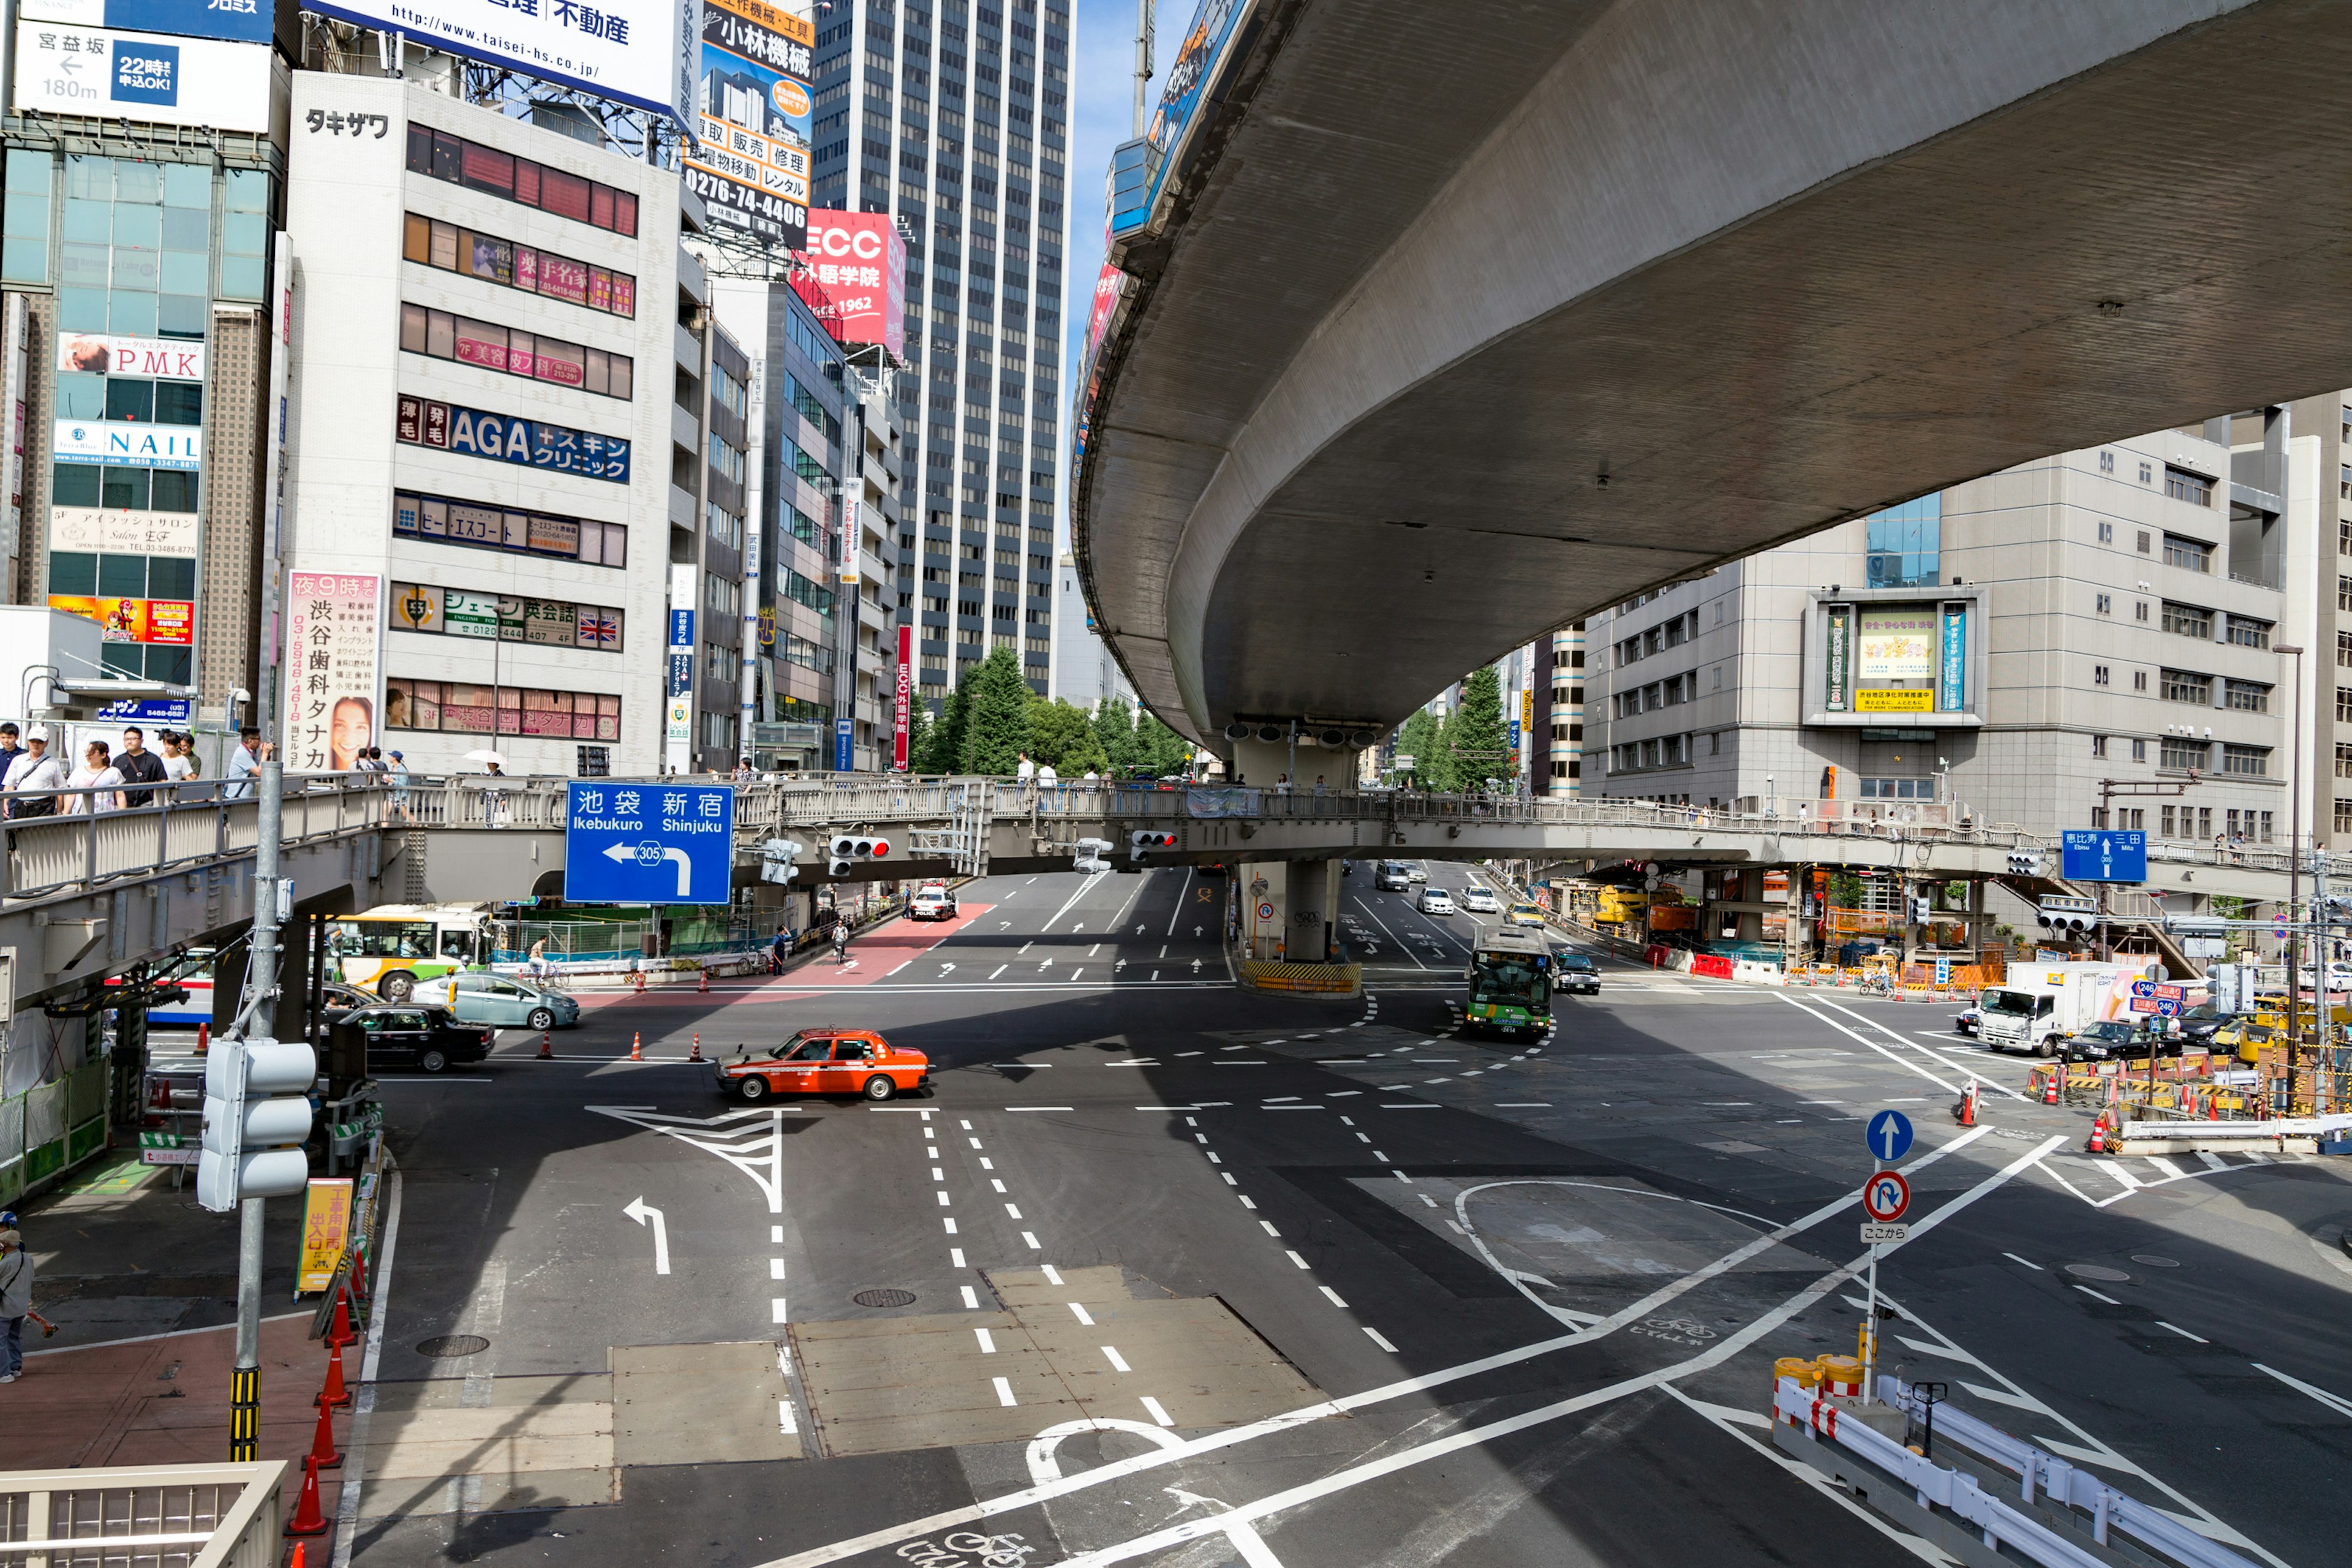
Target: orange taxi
{"type": "Point", "coordinates": [826, 1061]}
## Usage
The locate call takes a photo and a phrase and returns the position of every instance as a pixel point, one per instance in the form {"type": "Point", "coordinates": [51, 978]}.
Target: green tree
{"type": "Point", "coordinates": [1114, 728]}
{"type": "Point", "coordinates": [1158, 747]}
{"type": "Point", "coordinates": [944, 754]}
{"type": "Point", "coordinates": [996, 722]}
{"type": "Point", "coordinates": [1473, 743]}
{"type": "Point", "coordinates": [918, 735]}
{"type": "Point", "coordinates": [1418, 740]}
{"type": "Point", "coordinates": [1060, 736]}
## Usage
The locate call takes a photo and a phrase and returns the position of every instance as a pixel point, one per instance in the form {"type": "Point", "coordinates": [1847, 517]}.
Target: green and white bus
{"type": "Point", "coordinates": [1510, 975]}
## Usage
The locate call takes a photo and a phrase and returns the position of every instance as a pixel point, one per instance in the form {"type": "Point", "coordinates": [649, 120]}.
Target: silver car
{"type": "Point", "coordinates": [504, 1000]}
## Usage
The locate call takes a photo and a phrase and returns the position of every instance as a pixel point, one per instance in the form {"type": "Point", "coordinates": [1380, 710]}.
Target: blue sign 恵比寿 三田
{"type": "Point", "coordinates": [2102, 854]}
{"type": "Point", "coordinates": [649, 844]}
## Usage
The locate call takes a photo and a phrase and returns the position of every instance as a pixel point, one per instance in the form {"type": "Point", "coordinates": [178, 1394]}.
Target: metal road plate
{"type": "Point", "coordinates": [693, 1405]}
{"type": "Point", "coordinates": [1884, 1234]}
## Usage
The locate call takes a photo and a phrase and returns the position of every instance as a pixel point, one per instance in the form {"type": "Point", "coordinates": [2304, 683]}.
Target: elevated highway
{"type": "Point", "coordinates": [1450, 325]}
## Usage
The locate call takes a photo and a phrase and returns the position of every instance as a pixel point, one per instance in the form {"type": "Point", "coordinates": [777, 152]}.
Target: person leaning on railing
{"type": "Point", "coordinates": [32, 771]}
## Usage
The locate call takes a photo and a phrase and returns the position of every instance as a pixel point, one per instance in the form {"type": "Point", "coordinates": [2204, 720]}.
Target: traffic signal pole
{"type": "Point", "coordinates": [261, 986]}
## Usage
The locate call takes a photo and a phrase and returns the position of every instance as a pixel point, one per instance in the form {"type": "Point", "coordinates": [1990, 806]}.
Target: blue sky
{"type": "Point", "coordinates": [1102, 108]}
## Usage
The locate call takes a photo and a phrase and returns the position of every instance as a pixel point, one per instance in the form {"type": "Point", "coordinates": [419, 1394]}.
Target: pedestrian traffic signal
{"type": "Point", "coordinates": [1090, 860]}
{"type": "Point", "coordinates": [777, 857]}
{"type": "Point", "coordinates": [2023, 862]}
{"type": "Point", "coordinates": [256, 1114]}
{"type": "Point", "coordinates": [1142, 839]}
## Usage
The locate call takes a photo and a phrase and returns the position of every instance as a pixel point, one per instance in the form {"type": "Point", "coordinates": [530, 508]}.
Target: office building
{"type": "Point", "coordinates": [2085, 641]}
{"type": "Point", "coordinates": [494, 335]}
{"type": "Point", "coordinates": [954, 120]}
{"type": "Point", "coordinates": [1556, 748]}
{"type": "Point", "coordinates": [1084, 671]}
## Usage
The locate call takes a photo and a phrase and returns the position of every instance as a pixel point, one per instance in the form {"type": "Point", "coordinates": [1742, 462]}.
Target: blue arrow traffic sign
{"type": "Point", "coordinates": [1890, 1136]}
{"type": "Point", "coordinates": [649, 844]}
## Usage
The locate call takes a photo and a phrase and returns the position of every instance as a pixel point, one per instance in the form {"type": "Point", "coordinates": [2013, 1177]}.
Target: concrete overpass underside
{"type": "Point", "coordinates": [1663, 285]}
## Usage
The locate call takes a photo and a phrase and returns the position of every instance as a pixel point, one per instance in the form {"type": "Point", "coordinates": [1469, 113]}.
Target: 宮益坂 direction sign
{"type": "Point", "coordinates": [649, 844]}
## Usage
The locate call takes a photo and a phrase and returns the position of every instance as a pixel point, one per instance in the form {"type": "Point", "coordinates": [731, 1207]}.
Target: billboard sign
{"type": "Point", "coordinates": [852, 275]}
{"type": "Point", "coordinates": [902, 711]}
{"type": "Point", "coordinates": [239, 21]}
{"type": "Point", "coordinates": [62, 69]}
{"type": "Point", "coordinates": [99, 354]}
{"type": "Point", "coordinates": [162, 623]}
{"type": "Point", "coordinates": [1898, 644]}
{"type": "Point", "coordinates": [2101, 855]}
{"type": "Point", "coordinates": [751, 167]}
{"type": "Point", "coordinates": [1199, 58]}
{"type": "Point", "coordinates": [637, 52]}
{"type": "Point", "coordinates": [1838, 662]}
{"type": "Point", "coordinates": [115, 531]}
{"type": "Point", "coordinates": [1951, 680]}
{"type": "Point", "coordinates": [335, 624]}
{"type": "Point", "coordinates": [125, 445]}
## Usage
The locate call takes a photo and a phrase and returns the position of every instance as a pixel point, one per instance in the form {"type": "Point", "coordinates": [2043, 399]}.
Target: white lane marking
{"type": "Point", "coordinates": [1403, 947]}
{"type": "Point", "coordinates": [1003, 1391]}
{"type": "Point", "coordinates": [1296, 1258]}
{"type": "Point", "coordinates": [987, 1342]}
{"type": "Point", "coordinates": [1523, 1105]}
{"type": "Point", "coordinates": [1157, 1412]}
{"type": "Point", "coordinates": [2212, 1161]}
{"type": "Point", "coordinates": [1080, 1313]}
{"type": "Point", "coordinates": [1381, 1341]}
{"type": "Point", "coordinates": [903, 966]}
{"type": "Point", "coordinates": [1037, 1108]}
{"type": "Point", "coordinates": [985, 1162]}
{"type": "Point", "coordinates": [2027, 1261]}
{"type": "Point", "coordinates": [1000, 969]}
{"type": "Point", "coordinates": [1117, 1361]}
{"type": "Point", "coordinates": [776, 1313]}
{"type": "Point", "coordinates": [938, 1174]}
{"type": "Point", "coordinates": [971, 1299]}
{"type": "Point", "coordinates": [784, 1422]}
{"type": "Point", "coordinates": [2184, 1333]}
{"type": "Point", "coordinates": [998, 1183]}
{"type": "Point", "coordinates": [775, 1234]}
{"type": "Point", "coordinates": [2094, 1296]}
{"type": "Point", "coordinates": [955, 1256]}
{"type": "Point", "coordinates": [1234, 1436]}
{"type": "Point", "coordinates": [1334, 1297]}
{"type": "Point", "coordinates": [1178, 912]}
{"type": "Point", "coordinates": [944, 1201]}
{"type": "Point", "coordinates": [2336, 1401]}
{"type": "Point", "coordinates": [775, 1268]}
{"type": "Point", "coordinates": [1053, 1274]}
{"type": "Point", "coordinates": [1966, 1068]}
{"type": "Point", "coordinates": [2167, 1166]}
{"type": "Point", "coordinates": [950, 1225]}
{"type": "Point", "coordinates": [1032, 1239]}
{"type": "Point", "coordinates": [1011, 1212]}
{"type": "Point", "coordinates": [1267, 1226]}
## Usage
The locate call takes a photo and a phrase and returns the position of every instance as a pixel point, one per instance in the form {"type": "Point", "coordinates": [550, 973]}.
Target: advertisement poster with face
{"type": "Point", "coordinates": [333, 670]}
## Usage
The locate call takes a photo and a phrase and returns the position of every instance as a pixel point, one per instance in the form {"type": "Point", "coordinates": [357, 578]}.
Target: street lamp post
{"type": "Point", "coordinates": [2294, 869]}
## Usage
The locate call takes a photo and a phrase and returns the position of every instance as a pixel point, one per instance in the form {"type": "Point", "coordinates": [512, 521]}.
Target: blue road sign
{"type": "Point", "coordinates": [649, 844]}
{"type": "Point", "coordinates": [1890, 1136]}
{"type": "Point", "coordinates": [2100, 855]}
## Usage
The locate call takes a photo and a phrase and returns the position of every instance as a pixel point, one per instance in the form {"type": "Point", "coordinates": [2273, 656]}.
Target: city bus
{"type": "Point", "coordinates": [392, 947]}
{"type": "Point", "coordinates": [1510, 975]}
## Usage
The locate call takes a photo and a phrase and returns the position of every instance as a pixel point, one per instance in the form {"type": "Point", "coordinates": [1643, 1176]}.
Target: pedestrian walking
{"type": "Point", "coordinates": [840, 940]}
{"type": "Point", "coordinates": [138, 765]}
{"type": "Point", "coordinates": [97, 774]}
{"type": "Point", "coordinates": [780, 950]}
{"type": "Point", "coordinates": [10, 748]}
{"type": "Point", "coordinates": [32, 770]}
{"type": "Point", "coordinates": [16, 1302]}
{"type": "Point", "coordinates": [396, 770]}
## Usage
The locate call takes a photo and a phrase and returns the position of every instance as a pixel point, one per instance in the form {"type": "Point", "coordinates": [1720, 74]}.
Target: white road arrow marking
{"type": "Point", "coordinates": [652, 854]}
{"type": "Point", "coordinates": [1138, 931]}
{"type": "Point", "coordinates": [644, 1213]}
{"type": "Point", "coordinates": [1196, 930]}
{"type": "Point", "coordinates": [946, 969]}
{"type": "Point", "coordinates": [1004, 925]}
{"type": "Point", "coordinates": [1196, 966]}
{"type": "Point", "coordinates": [751, 1141]}
{"type": "Point", "coordinates": [1077, 928]}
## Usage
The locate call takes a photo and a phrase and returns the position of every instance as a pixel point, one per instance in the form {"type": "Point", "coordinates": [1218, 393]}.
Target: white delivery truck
{"type": "Point", "coordinates": [2038, 1005]}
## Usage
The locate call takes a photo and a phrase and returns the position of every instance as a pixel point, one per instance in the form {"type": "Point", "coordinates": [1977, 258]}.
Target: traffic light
{"type": "Point", "coordinates": [256, 1114]}
{"type": "Point", "coordinates": [848, 848]}
{"type": "Point", "coordinates": [2066, 915]}
{"type": "Point", "coordinates": [1090, 860]}
{"type": "Point", "coordinates": [1144, 838]}
{"type": "Point", "coordinates": [2023, 862]}
{"type": "Point", "coordinates": [777, 857]}
{"type": "Point", "coordinates": [1921, 913]}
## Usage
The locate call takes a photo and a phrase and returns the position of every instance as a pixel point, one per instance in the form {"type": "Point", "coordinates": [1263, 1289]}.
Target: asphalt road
{"type": "Point", "coordinates": [1180, 1218]}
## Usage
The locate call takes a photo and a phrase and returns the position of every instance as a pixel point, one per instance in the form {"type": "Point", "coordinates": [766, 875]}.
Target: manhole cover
{"type": "Point", "coordinates": [2094, 1271]}
{"type": "Point", "coordinates": [446, 1346]}
{"type": "Point", "coordinates": [884, 1297]}
{"type": "Point", "coordinates": [2155, 1262]}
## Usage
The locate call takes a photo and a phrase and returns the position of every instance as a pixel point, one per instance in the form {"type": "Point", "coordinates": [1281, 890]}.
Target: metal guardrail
{"type": "Point", "coordinates": [172, 1516]}
{"type": "Point", "coordinates": [87, 839]}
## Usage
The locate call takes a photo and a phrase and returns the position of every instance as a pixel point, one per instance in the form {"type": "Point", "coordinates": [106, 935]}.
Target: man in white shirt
{"type": "Point", "coordinates": [33, 769]}
{"type": "Point", "coordinates": [243, 763]}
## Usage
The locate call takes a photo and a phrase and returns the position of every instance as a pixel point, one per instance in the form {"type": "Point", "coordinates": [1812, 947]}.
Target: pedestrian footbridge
{"type": "Point", "coordinates": [85, 896]}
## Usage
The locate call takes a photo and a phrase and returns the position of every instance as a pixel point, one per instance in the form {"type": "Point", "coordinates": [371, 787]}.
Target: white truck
{"type": "Point", "coordinates": [2038, 1006]}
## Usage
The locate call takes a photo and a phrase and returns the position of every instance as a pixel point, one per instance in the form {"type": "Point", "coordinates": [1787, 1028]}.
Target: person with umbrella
{"type": "Point", "coordinates": [493, 798]}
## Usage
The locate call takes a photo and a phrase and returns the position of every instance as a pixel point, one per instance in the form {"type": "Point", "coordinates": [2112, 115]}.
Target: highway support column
{"type": "Point", "coordinates": [1311, 903]}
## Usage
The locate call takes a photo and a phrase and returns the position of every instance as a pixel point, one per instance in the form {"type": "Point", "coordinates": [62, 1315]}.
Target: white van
{"type": "Point", "coordinates": [2040, 1006]}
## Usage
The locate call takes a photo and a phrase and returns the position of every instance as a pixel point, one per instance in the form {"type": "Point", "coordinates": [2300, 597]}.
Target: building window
{"type": "Point", "coordinates": [2188, 621]}
{"type": "Point", "coordinates": [1898, 789]}
{"type": "Point", "coordinates": [2247, 632]}
{"type": "Point", "coordinates": [2342, 816]}
{"type": "Point", "coordinates": [2098, 675]}
{"type": "Point", "coordinates": [2246, 696]}
{"type": "Point", "coordinates": [2143, 533]}
{"type": "Point", "coordinates": [2147, 475]}
{"type": "Point", "coordinates": [2099, 745]}
{"type": "Point", "coordinates": [2139, 680]}
{"type": "Point", "coordinates": [2133, 820]}
{"type": "Point", "coordinates": [2343, 761]}
{"type": "Point", "coordinates": [2098, 816]}
{"type": "Point", "coordinates": [2106, 533]}
{"type": "Point", "coordinates": [519, 180]}
{"type": "Point", "coordinates": [2139, 751]}
{"type": "Point", "coordinates": [2250, 762]}
{"type": "Point", "coordinates": [2344, 528]}
{"type": "Point", "coordinates": [2189, 554]}
{"type": "Point", "coordinates": [2106, 605]}
{"type": "Point", "coordinates": [455, 708]}
{"type": "Point", "coordinates": [2139, 611]}
{"type": "Point", "coordinates": [548, 623]}
{"type": "Point", "coordinates": [442, 521]}
{"type": "Point", "coordinates": [2185, 685]}
{"type": "Point", "coordinates": [2182, 485]}
{"type": "Point", "coordinates": [2180, 752]}
{"type": "Point", "coordinates": [437, 334]}
{"type": "Point", "coordinates": [2164, 823]}
{"type": "Point", "coordinates": [431, 243]}
{"type": "Point", "coordinates": [1904, 543]}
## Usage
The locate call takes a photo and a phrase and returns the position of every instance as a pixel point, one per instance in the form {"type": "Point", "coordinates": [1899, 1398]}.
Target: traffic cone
{"type": "Point", "coordinates": [308, 1520]}
{"type": "Point", "coordinates": [323, 1452]}
{"type": "Point", "coordinates": [334, 1394]}
{"type": "Point", "coordinates": [636, 1048]}
{"type": "Point", "coordinates": [2050, 1089]}
{"type": "Point", "coordinates": [697, 1054]}
{"type": "Point", "coordinates": [640, 978]}
{"type": "Point", "coordinates": [1966, 1112]}
{"type": "Point", "coordinates": [546, 1046]}
{"type": "Point", "coordinates": [2099, 1134]}
{"type": "Point", "coordinates": [204, 1039]}
{"type": "Point", "coordinates": [302, 1551]}
{"type": "Point", "coordinates": [340, 1332]}
{"type": "Point", "coordinates": [705, 987]}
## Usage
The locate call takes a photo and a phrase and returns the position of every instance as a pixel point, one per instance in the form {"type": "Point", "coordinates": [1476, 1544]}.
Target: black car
{"type": "Point", "coordinates": [2114, 1040]}
{"type": "Point", "coordinates": [408, 1033]}
{"type": "Point", "coordinates": [1574, 972]}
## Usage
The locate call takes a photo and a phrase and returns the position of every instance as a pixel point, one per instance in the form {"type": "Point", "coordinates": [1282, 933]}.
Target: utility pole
{"type": "Point", "coordinates": [2293, 873]}
{"type": "Point", "coordinates": [1144, 49]}
{"type": "Point", "coordinates": [261, 986]}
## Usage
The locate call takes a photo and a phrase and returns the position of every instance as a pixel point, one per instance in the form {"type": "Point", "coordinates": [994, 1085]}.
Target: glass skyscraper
{"type": "Point", "coordinates": [954, 118]}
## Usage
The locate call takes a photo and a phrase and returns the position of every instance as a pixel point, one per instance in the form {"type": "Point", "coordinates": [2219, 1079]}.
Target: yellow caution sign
{"type": "Point", "coordinates": [326, 1231]}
